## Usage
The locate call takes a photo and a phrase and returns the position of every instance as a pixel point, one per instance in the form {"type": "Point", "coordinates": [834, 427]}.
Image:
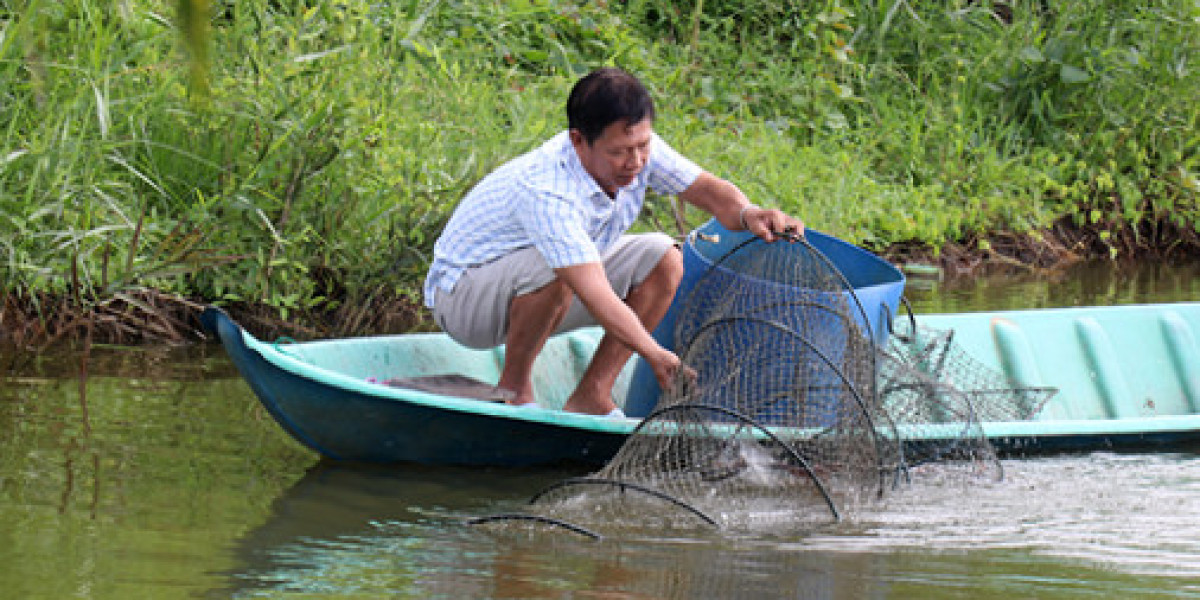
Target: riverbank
{"type": "Point", "coordinates": [300, 161]}
{"type": "Point", "coordinates": [148, 316]}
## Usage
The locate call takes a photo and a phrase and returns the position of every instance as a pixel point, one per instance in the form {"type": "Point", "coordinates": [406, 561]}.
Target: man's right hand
{"type": "Point", "coordinates": [666, 366]}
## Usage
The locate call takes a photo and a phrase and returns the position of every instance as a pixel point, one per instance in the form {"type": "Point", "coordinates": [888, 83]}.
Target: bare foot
{"type": "Point", "coordinates": [589, 404]}
{"type": "Point", "coordinates": [516, 398]}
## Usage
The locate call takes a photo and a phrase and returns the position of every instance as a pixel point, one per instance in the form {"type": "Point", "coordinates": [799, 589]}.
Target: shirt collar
{"type": "Point", "coordinates": [570, 160]}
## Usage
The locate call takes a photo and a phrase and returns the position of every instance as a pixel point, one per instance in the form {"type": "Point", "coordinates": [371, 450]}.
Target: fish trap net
{"type": "Point", "coordinates": [788, 412]}
{"type": "Point", "coordinates": [938, 396]}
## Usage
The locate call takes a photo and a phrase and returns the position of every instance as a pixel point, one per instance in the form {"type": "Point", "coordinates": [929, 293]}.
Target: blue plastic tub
{"type": "Point", "coordinates": [877, 285]}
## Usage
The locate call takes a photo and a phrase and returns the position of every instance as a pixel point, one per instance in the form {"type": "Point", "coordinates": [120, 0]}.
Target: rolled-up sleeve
{"type": "Point", "coordinates": [669, 172]}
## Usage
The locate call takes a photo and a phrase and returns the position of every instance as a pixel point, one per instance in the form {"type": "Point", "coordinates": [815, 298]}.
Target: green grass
{"type": "Point", "coordinates": [305, 158]}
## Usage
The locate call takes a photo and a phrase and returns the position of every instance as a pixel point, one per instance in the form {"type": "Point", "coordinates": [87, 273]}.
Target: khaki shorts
{"type": "Point", "coordinates": [475, 313]}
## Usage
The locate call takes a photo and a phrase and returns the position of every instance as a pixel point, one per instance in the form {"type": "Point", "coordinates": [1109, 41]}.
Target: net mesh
{"type": "Point", "coordinates": [938, 396]}
{"type": "Point", "coordinates": [788, 413]}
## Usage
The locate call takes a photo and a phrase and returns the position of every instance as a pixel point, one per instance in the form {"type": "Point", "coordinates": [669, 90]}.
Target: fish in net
{"type": "Point", "coordinates": [789, 412]}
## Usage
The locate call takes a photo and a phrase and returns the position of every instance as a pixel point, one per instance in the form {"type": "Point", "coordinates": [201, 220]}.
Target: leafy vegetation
{"type": "Point", "coordinates": [302, 157]}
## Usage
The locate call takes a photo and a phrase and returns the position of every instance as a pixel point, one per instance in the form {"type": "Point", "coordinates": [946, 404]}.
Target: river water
{"type": "Point", "coordinates": [153, 473]}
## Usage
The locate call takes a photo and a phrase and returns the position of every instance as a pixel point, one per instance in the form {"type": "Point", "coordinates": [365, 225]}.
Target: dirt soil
{"type": "Point", "coordinates": [146, 316]}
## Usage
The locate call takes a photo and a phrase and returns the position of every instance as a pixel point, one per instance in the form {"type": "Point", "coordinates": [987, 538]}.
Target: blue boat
{"type": "Point", "coordinates": [1127, 377]}
{"type": "Point", "coordinates": [333, 397]}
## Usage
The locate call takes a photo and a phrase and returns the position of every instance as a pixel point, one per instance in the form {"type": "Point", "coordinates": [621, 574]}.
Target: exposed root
{"type": "Point", "coordinates": [127, 317]}
{"type": "Point", "coordinates": [142, 316]}
{"type": "Point", "coordinates": [1049, 251]}
{"type": "Point", "coordinates": [375, 315]}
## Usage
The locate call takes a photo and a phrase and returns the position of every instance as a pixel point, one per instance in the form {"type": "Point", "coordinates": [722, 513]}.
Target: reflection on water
{"type": "Point", "coordinates": [123, 475]}
{"type": "Point", "coordinates": [1085, 284]}
{"type": "Point", "coordinates": [153, 473]}
{"type": "Point", "coordinates": [1059, 527]}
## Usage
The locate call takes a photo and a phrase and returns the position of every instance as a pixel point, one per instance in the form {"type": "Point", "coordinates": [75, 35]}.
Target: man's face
{"type": "Point", "coordinates": [616, 157]}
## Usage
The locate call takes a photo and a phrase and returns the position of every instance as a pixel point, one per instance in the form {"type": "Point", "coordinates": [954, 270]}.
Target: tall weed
{"type": "Point", "coordinates": [305, 156]}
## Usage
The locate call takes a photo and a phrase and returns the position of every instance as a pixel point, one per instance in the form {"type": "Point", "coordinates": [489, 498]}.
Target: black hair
{"type": "Point", "coordinates": [605, 96]}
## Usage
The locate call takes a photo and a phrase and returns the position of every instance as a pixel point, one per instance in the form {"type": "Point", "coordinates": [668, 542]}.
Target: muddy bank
{"type": "Point", "coordinates": [145, 316]}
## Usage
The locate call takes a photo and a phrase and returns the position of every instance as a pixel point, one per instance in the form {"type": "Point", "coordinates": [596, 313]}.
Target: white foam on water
{"type": "Point", "coordinates": [1135, 513]}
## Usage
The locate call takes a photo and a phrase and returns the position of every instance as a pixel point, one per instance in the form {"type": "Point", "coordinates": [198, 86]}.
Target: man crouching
{"type": "Point", "coordinates": [539, 246]}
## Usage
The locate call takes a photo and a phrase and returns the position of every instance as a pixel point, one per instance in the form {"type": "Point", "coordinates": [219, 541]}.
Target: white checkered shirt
{"type": "Point", "coordinates": [546, 199]}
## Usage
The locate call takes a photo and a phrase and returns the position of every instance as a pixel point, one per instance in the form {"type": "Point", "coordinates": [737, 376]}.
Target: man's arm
{"type": "Point", "coordinates": [591, 286]}
{"type": "Point", "coordinates": [733, 209]}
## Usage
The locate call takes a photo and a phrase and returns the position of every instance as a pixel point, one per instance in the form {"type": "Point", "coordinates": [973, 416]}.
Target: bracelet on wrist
{"type": "Point", "coordinates": [742, 215]}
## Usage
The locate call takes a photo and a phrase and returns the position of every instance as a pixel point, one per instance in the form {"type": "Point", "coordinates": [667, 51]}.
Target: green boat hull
{"type": "Point", "coordinates": [1127, 378]}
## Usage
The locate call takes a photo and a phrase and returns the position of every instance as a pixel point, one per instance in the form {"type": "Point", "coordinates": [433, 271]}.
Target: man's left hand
{"type": "Point", "coordinates": [769, 223]}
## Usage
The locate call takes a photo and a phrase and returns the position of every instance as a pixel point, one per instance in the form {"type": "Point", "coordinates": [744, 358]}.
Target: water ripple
{"type": "Point", "coordinates": [1138, 514]}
